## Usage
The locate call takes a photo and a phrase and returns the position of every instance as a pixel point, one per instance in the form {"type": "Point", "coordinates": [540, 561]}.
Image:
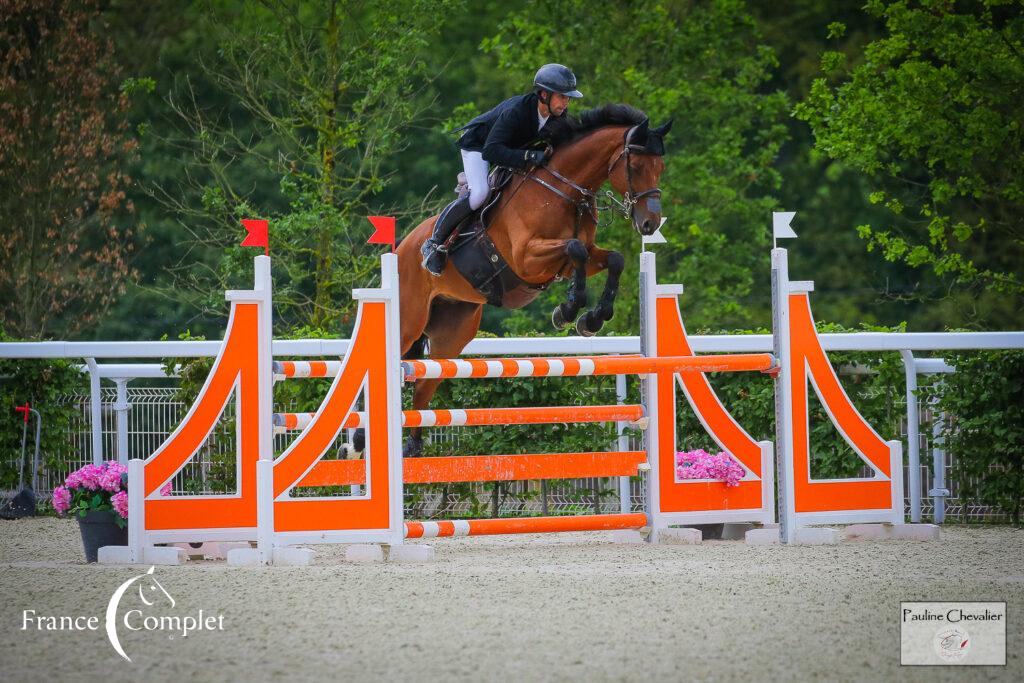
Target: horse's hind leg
{"type": "Point", "coordinates": [415, 352]}
{"type": "Point", "coordinates": [452, 325]}
{"type": "Point", "coordinates": [590, 322]}
{"type": "Point", "coordinates": [565, 313]}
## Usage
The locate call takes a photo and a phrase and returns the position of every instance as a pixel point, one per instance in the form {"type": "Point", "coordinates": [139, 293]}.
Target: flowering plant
{"type": "Point", "coordinates": [700, 464]}
{"type": "Point", "coordinates": [97, 487]}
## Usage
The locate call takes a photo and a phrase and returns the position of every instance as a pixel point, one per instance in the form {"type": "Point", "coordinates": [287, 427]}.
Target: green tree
{"type": "Point", "coordinates": [321, 92]}
{"type": "Point", "coordinates": [704, 65]}
{"type": "Point", "coordinates": [932, 116]}
{"type": "Point", "coordinates": [64, 146]}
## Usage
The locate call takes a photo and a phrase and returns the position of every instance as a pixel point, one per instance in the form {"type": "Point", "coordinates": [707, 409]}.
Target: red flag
{"type": "Point", "coordinates": [258, 234]}
{"type": "Point", "coordinates": [384, 230]}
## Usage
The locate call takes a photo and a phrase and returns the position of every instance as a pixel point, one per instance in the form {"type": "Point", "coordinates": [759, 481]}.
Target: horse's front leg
{"type": "Point", "coordinates": [565, 313]}
{"type": "Point", "coordinates": [599, 259]}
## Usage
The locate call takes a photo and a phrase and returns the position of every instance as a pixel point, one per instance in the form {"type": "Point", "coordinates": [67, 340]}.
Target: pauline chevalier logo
{"type": "Point", "coordinates": [149, 615]}
{"type": "Point", "coordinates": [953, 633]}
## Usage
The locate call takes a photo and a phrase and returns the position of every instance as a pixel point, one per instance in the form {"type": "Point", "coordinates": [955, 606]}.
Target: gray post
{"type": "Point", "coordinates": [913, 438]}
{"type": "Point", "coordinates": [939, 492]}
{"type": "Point", "coordinates": [121, 407]}
{"type": "Point", "coordinates": [96, 410]}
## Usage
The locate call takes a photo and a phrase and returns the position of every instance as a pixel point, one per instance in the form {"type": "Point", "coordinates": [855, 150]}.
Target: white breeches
{"type": "Point", "coordinates": [476, 175]}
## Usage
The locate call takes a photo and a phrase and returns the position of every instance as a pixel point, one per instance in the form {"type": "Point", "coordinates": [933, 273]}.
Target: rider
{"type": "Point", "coordinates": [500, 137]}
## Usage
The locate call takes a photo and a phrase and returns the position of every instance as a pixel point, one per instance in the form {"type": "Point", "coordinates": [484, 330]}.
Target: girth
{"type": "Point", "coordinates": [477, 259]}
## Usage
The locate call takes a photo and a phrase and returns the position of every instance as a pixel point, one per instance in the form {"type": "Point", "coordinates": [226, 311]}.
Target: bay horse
{"type": "Point", "coordinates": [544, 227]}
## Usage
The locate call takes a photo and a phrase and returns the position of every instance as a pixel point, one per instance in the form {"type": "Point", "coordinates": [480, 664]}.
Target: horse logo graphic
{"type": "Point", "coordinates": [149, 593]}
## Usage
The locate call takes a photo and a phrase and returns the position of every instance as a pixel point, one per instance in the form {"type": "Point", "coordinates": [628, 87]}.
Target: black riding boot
{"type": "Point", "coordinates": [435, 254]}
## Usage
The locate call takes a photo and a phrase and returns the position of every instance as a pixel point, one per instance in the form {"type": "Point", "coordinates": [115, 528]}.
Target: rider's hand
{"type": "Point", "coordinates": [536, 157]}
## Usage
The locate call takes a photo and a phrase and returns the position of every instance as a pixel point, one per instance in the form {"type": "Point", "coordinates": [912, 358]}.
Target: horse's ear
{"type": "Point", "coordinates": [638, 134]}
{"type": "Point", "coordinates": [663, 129]}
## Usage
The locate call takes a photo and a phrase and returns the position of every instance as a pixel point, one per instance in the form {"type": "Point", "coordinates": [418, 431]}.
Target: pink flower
{"type": "Point", "coordinates": [700, 464]}
{"type": "Point", "coordinates": [61, 500]}
{"type": "Point", "coordinates": [120, 503]}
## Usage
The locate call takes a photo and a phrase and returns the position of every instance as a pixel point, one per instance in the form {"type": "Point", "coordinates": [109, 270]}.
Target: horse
{"type": "Point", "coordinates": [544, 228]}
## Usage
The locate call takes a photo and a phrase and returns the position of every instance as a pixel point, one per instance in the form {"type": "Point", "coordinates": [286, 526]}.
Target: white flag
{"type": "Point", "coordinates": [656, 237]}
{"type": "Point", "coordinates": [780, 224]}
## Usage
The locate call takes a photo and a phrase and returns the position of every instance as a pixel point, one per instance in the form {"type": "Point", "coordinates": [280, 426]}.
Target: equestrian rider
{"type": "Point", "coordinates": [501, 136]}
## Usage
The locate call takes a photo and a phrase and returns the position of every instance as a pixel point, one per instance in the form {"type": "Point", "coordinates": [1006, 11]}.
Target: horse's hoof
{"type": "Point", "coordinates": [558, 319]}
{"type": "Point", "coordinates": [583, 328]}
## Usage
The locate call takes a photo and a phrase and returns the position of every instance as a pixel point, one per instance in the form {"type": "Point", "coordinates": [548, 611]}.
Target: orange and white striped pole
{"type": "Point", "coordinates": [583, 366]}
{"type": "Point", "coordinates": [475, 417]}
{"type": "Point", "coordinates": [524, 525]}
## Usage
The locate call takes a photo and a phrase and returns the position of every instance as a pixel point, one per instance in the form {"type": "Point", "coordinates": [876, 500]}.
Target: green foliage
{"type": "Point", "coordinates": [40, 383]}
{"type": "Point", "coordinates": [984, 401]}
{"type": "Point", "coordinates": [932, 116]}
{"type": "Point", "coordinates": [314, 112]}
{"type": "Point", "coordinates": [705, 65]}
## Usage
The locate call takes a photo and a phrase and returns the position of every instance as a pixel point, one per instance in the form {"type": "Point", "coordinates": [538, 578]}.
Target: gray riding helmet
{"type": "Point", "coordinates": [557, 78]}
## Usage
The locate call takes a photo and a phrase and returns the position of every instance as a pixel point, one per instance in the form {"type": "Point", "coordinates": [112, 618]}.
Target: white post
{"type": "Point", "coordinates": [649, 387]}
{"type": "Point", "coordinates": [263, 285]}
{"type": "Point", "coordinates": [136, 511]}
{"type": "Point", "coordinates": [396, 484]}
{"type": "Point", "coordinates": [625, 497]}
{"type": "Point", "coordinates": [96, 408]}
{"type": "Point", "coordinates": [783, 396]}
{"type": "Point", "coordinates": [121, 407]}
{"type": "Point", "coordinates": [913, 438]}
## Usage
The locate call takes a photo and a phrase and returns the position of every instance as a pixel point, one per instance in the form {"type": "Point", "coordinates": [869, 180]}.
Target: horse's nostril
{"type": "Point", "coordinates": [646, 225]}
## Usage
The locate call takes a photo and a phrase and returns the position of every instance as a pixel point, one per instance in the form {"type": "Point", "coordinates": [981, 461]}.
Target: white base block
{"type": "Point", "coordinates": [410, 553]}
{"type": "Point", "coordinates": [815, 535]}
{"type": "Point", "coordinates": [244, 557]}
{"type": "Point", "coordinates": [114, 554]}
{"type": "Point", "coordinates": [629, 536]}
{"type": "Point", "coordinates": [121, 554]}
{"type": "Point", "coordinates": [735, 531]}
{"type": "Point", "coordinates": [364, 553]}
{"type": "Point", "coordinates": [916, 532]}
{"type": "Point", "coordinates": [677, 536]}
{"type": "Point", "coordinates": [293, 557]}
{"type": "Point", "coordinates": [764, 536]}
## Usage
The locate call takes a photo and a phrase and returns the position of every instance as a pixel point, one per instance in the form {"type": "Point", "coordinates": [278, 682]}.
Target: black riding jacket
{"type": "Point", "coordinates": [504, 133]}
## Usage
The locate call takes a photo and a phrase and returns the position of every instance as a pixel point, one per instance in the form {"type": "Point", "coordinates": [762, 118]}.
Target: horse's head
{"type": "Point", "coordinates": [634, 173]}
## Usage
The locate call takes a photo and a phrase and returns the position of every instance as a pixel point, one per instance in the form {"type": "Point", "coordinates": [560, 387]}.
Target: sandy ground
{"type": "Point", "coordinates": [571, 606]}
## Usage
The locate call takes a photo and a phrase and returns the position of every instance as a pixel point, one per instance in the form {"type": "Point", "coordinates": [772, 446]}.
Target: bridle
{"type": "Point", "coordinates": [587, 201]}
{"type": "Point", "coordinates": [631, 198]}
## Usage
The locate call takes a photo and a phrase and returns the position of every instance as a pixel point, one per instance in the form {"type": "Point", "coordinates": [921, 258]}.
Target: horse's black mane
{"type": "Point", "coordinates": [569, 127]}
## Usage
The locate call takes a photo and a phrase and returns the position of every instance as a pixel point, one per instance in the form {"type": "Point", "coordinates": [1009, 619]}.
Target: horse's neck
{"type": "Point", "coordinates": [586, 160]}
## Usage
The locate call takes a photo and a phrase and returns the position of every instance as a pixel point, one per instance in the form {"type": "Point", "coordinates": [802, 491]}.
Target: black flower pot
{"type": "Point", "coordinates": [99, 528]}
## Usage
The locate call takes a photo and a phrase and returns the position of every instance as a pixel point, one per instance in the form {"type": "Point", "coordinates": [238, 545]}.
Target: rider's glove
{"type": "Point", "coordinates": [535, 156]}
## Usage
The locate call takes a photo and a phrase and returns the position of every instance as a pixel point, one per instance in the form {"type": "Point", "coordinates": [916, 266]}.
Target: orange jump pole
{"type": "Point", "coordinates": [524, 525]}
{"type": "Point", "coordinates": [461, 468]}
{"type": "Point", "coordinates": [584, 366]}
{"type": "Point", "coordinates": [475, 417]}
